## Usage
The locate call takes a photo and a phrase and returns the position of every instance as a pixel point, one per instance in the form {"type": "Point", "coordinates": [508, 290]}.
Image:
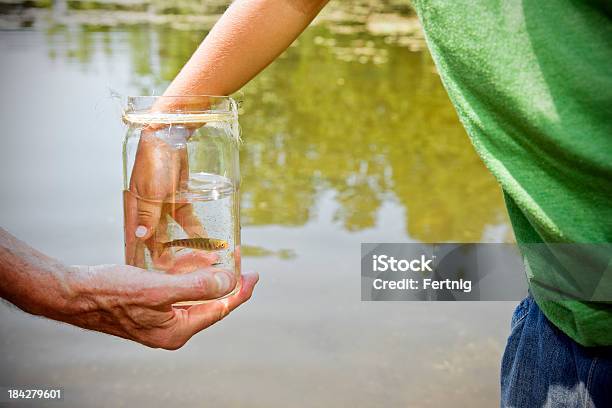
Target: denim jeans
{"type": "Point", "coordinates": [542, 367]}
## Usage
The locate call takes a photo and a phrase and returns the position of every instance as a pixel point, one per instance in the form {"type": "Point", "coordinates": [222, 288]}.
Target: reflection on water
{"type": "Point", "coordinates": [370, 131]}
{"type": "Point", "coordinates": [257, 251]}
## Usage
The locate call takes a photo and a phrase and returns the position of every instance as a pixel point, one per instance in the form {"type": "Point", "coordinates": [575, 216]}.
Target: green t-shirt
{"type": "Point", "coordinates": [532, 84]}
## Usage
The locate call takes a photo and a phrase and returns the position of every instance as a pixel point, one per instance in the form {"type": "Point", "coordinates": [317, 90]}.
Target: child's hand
{"type": "Point", "coordinates": [160, 171]}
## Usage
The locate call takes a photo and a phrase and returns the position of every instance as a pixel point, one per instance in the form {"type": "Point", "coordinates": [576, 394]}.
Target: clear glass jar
{"type": "Point", "coordinates": [181, 184]}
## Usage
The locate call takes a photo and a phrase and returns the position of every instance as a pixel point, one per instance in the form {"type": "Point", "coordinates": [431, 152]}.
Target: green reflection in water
{"type": "Point", "coordinates": [369, 132]}
{"type": "Point", "coordinates": [349, 113]}
{"type": "Point", "coordinates": [259, 252]}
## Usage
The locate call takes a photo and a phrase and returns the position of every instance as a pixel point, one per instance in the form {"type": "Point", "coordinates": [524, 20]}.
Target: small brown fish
{"type": "Point", "coordinates": [208, 244]}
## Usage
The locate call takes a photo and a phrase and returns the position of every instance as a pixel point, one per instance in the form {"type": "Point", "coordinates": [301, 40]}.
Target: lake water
{"type": "Point", "coordinates": [349, 137]}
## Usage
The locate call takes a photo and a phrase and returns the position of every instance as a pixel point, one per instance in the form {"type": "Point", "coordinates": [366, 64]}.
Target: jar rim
{"type": "Point", "coordinates": [181, 96]}
{"type": "Point", "coordinates": [184, 104]}
{"type": "Point", "coordinates": [186, 110]}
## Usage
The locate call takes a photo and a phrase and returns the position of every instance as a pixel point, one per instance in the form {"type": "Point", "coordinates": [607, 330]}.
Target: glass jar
{"type": "Point", "coordinates": [181, 184]}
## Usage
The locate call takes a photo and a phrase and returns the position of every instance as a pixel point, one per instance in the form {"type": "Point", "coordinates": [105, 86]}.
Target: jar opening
{"type": "Point", "coordinates": [186, 109]}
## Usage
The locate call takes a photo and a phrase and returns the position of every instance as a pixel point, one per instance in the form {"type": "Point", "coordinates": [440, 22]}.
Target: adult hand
{"type": "Point", "coordinates": [121, 300]}
{"type": "Point", "coordinates": [135, 304]}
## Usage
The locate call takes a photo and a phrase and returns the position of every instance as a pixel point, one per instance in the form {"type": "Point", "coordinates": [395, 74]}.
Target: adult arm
{"type": "Point", "coordinates": [116, 299]}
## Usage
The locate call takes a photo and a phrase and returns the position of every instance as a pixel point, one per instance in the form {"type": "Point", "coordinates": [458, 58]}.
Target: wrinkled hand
{"type": "Point", "coordinates": [135, 304]}
{"type": "Point", "coordinates": [160, 171]}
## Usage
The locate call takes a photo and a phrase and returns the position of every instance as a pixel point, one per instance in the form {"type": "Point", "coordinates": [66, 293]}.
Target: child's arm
{"type": "Point", "coordinates": [248, 37]}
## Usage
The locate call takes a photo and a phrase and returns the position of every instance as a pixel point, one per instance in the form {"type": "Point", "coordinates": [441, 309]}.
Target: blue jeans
{"type": "Point", "coordinates": [542, 367]}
